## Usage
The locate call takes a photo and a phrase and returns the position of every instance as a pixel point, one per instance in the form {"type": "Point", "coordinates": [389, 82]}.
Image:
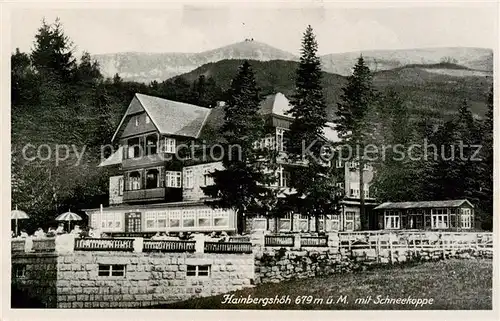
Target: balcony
{"type": "Point", "coordinates": [153, 194]}
{"type": "Point", "coordinates": [147, 160]}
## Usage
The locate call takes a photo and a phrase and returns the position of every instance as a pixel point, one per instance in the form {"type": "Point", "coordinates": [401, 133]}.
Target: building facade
{"type": "Point", "coordinates": [160, 174]}
{"type": "Point", "coordinates": [449, 215]}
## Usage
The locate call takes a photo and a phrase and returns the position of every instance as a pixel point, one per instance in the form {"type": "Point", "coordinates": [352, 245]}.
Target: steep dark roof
{"type": "Point", "coordinates": [423, 204]}
{"type": "Point", "coordinates": [172, 117]}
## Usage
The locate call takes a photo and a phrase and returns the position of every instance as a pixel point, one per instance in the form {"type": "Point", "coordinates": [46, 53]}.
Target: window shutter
{"type": "Point", "coordinates": [125, 182]}
{"type": "Point", "coordinates": [161, 146]}
{"type": "Point", "coordinates": [162, 177]}
{"type": "Point", "coordinates": [142, 151]}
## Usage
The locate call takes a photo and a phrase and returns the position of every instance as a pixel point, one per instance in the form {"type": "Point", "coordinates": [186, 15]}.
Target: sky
{"type": "Point", "coordinates": [196, 28]}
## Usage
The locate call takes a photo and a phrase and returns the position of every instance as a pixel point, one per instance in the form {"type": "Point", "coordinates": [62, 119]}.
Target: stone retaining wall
{"type": "Point", "coordinates": [71, 280]}
{"type": "Point", "coordinates": [273, 265]}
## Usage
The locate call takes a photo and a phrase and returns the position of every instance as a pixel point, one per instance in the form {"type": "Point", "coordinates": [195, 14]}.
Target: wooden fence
{"type": "Point", "coordinates": [227, 247]}
{"type": "Point", "coordinates": [94, 244]}
{"type": "Point", "coordinates": [313, 241]}
{"type": "Point", "coordinates": [443, 243]}
{"type": "Point", "coordinates": [279, 240]}
{"type": "Point", "coordinates": [168, 246]}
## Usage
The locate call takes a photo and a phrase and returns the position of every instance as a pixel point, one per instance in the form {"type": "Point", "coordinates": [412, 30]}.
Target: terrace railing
{"type": "Point", "coordinates": [227, 247]}
{"type": "Point", "coordinates": [313, 241]}
{"type": "Point", "coordinates": [168, 246]}
{"type": "Point", "coordinates": [94, 244]}
{"type": "Point", "coordinates": [279, 240]}
{"type": "Point", "coordinates": [239, 239]}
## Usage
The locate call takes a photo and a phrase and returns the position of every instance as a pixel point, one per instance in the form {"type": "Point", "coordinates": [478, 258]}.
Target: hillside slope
{"type": "Point", "coordinates": [437, 94]}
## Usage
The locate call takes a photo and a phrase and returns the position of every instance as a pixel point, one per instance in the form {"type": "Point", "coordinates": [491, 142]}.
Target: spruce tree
{"type": "Point", "coordinates": [242, 184]}
{"type": "Point", "coordinates": [486, 167]}
{"type": "Point", "coordinates": [355, 119]}
{"type": "Point", "coordinates": [313, 181]}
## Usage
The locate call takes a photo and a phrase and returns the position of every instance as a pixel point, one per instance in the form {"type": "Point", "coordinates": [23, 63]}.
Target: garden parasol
{"type": "Point", "coordinates": [69, 216]}
{"type": "Point", "coordinates": [18, 215]}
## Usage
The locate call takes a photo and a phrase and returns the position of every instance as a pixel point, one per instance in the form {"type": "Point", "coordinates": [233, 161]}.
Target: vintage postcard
{"type": "Point", "coordinates": [288, 158]}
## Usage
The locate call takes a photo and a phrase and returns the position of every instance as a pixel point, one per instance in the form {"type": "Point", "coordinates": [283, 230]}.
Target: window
{"type": "Point", "coordinates": [392, 220]}
{"type": "Point", "coordinates": [466, 218]}
{"type": "Point", "coordinates": [204, 217]}
{"type": "Point", "coordinates": [198, 270]}
{"type": "Point", "coordinates": [354, 192]}
{"type": "Point", "coordinates": [207, 179]}
{"type": "Point", "coordinates": [173, 179]}
{"type": "Point", "coordinates": [349, 220]}
{"type": "Point", "coordinates": [221, 218]}
{"type": "Point", "coordinates": [148, 120]}
{"type": "Point", "coordinates": [120, 186]}
{"type": "Point", "coordinates": [150, 220]}
{"type": "Point", "coordinates": [134, 181]}
{"type": "Point", "coordinates": [335, 222]}
{"type": "Point", "coordinates": [19, 270]}
{"type": "Point", "coordinates": [339, 164]}
{"type": "Point", "coordinates": [188, 217]}
{"type": "Point", "coordinates": [279, 140]}
{"type": "Point", "coordinates": [188, 179]}
{"type": "Point", "coordinates": [175, 219]}
{"type": "Point", "coordinates": [136, 121]}
{"type": "Point", "coordinates": [151, 144]}
{"type": "Point", "coordinates": [415, 219]}
{"type": "Point", "coordinates": [439, 218]}
{"type": "Point", "coordinates": [285, 223]}
{"type": "Point", "coordinates": [170, 145]}
{"type": "Point", "coordinates": [111, 270]}
{"type": "Point", "coordinates": [259, 223]}
{"type": "Point", "coordinates": [162, 219]}
{"type": "Point", "coordinates": [134, 148]}
{"type": "Point", "coordinates": [152, 178]}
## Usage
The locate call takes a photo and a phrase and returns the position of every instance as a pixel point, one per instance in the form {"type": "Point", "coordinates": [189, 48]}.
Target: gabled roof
{"type": "Point", "coordinates": [330, 133]}
{"type": "Point", "coordinates": [170, 117]}
{"type": "Point", "coordinates": [115, 158]}
{"type": "Point", "coordinates": [423, 204]}
{"type": "Point", "coordinates": [276, 104]}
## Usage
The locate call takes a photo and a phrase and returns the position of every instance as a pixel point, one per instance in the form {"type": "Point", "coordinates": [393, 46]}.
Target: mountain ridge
{"type": "Point", "coordinates": [149, 66]}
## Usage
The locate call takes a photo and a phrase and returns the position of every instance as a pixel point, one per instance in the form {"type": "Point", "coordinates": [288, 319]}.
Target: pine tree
{"type": "Point", "coordinates": [242, 184]}
{"type": "Point", "coordinates": [314, 184]}
{"type": "Point", "coordinates": [52, 54]}
{"type": "Point", "coordinates": [355, 119]}
{"type": "Point", "coordinates": [486, 167]}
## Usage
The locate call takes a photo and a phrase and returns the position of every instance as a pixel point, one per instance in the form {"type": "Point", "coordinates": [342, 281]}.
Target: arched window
{"type": "Point", "coordinates": [134, 181]}
{"type": "Point", "coordinates": [152, 176]}
{"type": "Point", "coordinates": [151, 144]}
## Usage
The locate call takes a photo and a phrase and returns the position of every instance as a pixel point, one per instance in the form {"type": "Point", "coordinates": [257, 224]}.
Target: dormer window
{"type": "Point", "coordinates": [170, 145]}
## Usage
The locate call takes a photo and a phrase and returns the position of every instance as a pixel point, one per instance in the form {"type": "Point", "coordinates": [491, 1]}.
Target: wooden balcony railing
{"type": "Point", "coordinates": [168, 246]}
{"type": "Point", "coordinates": [144, 194]}
{"type": "Point", "coordinates": [93, 244]}
{"type": "Point", "coordinates": [227, 247]}
{"type": "Point", "coordinates": [279, 240]}
{"type": "Point", "coordinates": [313, 241]}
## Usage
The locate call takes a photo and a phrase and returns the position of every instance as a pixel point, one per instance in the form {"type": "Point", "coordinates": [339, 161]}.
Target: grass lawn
{"type": "Point", "coordinates": [452, 284]}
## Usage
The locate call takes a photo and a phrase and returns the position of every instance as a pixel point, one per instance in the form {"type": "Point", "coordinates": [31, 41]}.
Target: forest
{"type": "Point", "coordinates": [60, 99]}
